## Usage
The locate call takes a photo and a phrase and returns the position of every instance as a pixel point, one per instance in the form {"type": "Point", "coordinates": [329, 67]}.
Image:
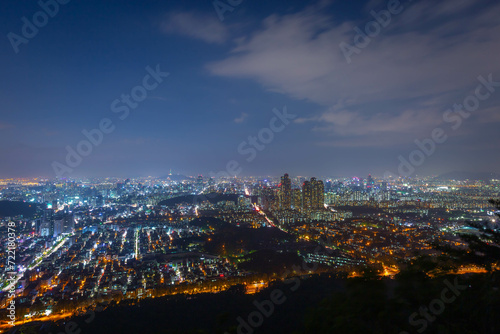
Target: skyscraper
{"type": "Point", "coordinates": [47, 224]}
{"type": "Point", "coordinates": [58, 226]}
{"type": "Point", "coordinates": [297, 199]}
{"type": "Point", "coordinates": [69, 223]}
{"type": "Point", "coordinates": [370, 183]}
{"type": "Point", "coordinates": [313, 194]}
{"type": "Point", "coordinates": [306, 195]}
{"type": "Point", "coordinates": [318, 194]}
{"type": "Point", "coordinates": [285, 193]}
{"type": "Point", "coordinates": [320, 191]}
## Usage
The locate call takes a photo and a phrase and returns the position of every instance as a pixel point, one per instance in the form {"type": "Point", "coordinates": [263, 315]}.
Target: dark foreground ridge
{"type": "Point", "coordinates": [412, 303]}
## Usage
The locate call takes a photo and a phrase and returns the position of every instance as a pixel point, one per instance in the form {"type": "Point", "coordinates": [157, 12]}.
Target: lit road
{"type": "Point", "coordinates": [136, 244]}
{"type": "Point", "coordinates": [36, 262]}
{"type": "Point", "coordinates": [262, 213]}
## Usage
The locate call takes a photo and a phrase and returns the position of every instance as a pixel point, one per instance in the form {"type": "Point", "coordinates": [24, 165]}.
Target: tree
{"type": "Point", "coordinates": [483, 247]}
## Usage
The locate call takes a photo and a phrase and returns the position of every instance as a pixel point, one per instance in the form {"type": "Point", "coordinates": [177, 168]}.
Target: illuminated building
{"type": "Point", "coordinates": [306, 195]}
{"type": "Point", "coordinates": [318, 194]}
{"type": "Point", "coordinates": [68, 223]}
{"type": "Point", "coordinates": [47, 225]}
{"type": "Point", "coordinates": [296, 199]}
{"type": "Point", "coordinates": [58, 226]}
{"type": "Point", "coordinates": [285, 193]}
{"type": "Point", "coordinates": [313, 194]}
{"type": "Point", "coordinates": [370, 183]}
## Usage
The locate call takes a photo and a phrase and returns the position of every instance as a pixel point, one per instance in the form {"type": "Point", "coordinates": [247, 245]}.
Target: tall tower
{"type": "Point", "coordinates": [319, 194]}
{"type": "Point", "coordinates": [313, 194]}
{"type": "Point", "coordinates": [69, 223]}
{"type": "Point", "coordinates": [58, 226]}
{"type": "Point", "coordinates": [370, 183]}
{"type": "Point", "coordinates": [47, 225]}
{"type": "Point", "coordinates": [285, 192]}
{"type": "Point", "coordinates": [306, 195]}
{"type": "Point", "coordinates": [297, 199]}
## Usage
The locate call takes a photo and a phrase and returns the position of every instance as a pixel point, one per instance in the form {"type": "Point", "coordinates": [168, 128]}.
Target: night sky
{"type": "Point", "coordinates": [227, 76]}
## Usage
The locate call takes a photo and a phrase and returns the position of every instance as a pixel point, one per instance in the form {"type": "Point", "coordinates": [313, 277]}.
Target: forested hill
{"type": "Point", "coordinates": [11, 209]}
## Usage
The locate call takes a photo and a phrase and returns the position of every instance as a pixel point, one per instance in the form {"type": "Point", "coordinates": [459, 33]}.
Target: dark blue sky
{"type": "Point", "coordinates": [226, 77]}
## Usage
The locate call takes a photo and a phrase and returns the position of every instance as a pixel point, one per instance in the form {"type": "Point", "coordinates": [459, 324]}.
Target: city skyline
{"type": "Point", "coordinates": [76, 247]}
{"type": "Point", "coordinates": [239, 167]}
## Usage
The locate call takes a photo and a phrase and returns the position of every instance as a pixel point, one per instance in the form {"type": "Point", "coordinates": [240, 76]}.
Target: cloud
{"type": "Point", "coordinates": [423, 62]}
{"type": "Point", "coordinates": [242, 118]}
{"type": "Point", "coordinates": [205, 28]}
{"type": "Point", "coordinates": [347, 123]}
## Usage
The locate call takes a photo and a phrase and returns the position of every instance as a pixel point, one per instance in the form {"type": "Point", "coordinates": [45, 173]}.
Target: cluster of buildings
{"type": "Point", "coordinates": [55, 224]}
{"type": "Point", "coordinates": [108, 238]}
{"type": "Point", "coordinates": [310, 197]}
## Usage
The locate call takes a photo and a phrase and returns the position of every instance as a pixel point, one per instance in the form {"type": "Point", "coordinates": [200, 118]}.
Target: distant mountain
{"type": "Point", "coordinates": [12, 209]}
{"type": "Point", "coordinates": [473, 176]}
